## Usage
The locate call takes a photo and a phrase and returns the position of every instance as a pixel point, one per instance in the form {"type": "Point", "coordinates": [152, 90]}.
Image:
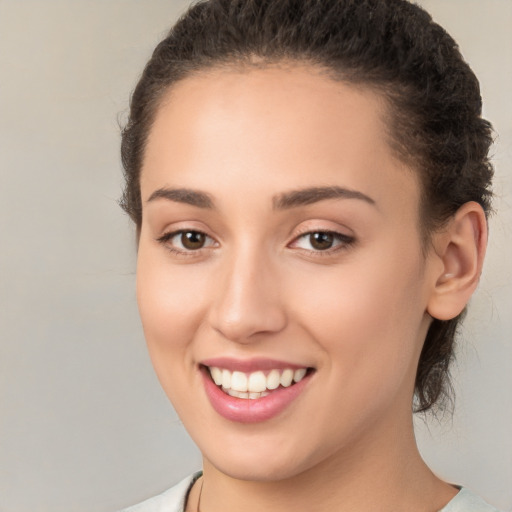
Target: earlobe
{"type": "Point", "coordinates": [461, 249]}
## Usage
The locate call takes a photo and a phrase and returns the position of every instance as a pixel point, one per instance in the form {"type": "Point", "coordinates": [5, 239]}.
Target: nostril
{"type": "Point", "coordinates": [247, 303]}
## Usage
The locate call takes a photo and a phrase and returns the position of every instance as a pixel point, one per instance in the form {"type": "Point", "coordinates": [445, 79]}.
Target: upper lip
{"type": "Point", "coordinates": [250, 365]}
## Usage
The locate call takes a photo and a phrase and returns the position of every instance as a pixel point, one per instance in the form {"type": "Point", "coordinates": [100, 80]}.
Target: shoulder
{"type": "Point", "coordinates": [466, 501]}
{"type": "Point", "coordinates": [172, 500]}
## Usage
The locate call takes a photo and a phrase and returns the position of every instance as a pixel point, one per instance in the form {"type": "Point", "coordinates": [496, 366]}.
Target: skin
{"type": "Point", "coordinates": [357, 313]}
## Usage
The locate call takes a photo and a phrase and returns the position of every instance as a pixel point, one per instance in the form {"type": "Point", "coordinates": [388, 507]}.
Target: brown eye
{"type": "Point", "coordinates": [186, 241]}
{"type": "Point", "coordinates": [192, 240]}
{"type": "Point", "coordinates": [321, 240]}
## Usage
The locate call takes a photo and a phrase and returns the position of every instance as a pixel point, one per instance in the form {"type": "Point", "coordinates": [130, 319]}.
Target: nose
{"type": "Point", "coordinates": [248, 301]}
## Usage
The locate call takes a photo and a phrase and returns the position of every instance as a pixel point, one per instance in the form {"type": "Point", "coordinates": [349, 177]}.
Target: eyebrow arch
{"type": "Point", "coordinates": [183, 195]}
{"type": "Point", "coordinates": [314, 194]}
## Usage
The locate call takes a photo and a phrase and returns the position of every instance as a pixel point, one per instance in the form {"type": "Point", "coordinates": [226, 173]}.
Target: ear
{"type": "Point", "coordinates": [460, 248]}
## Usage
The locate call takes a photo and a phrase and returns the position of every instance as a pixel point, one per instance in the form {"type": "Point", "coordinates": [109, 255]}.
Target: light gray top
{"type": "Point", "coordinates": [173, 500]}
{"type": "Point", "coordinates": [466, 501]}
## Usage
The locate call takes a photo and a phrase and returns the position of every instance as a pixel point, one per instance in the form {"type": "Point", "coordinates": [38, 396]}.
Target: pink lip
{"type": "Point", "coordinates": [249, 365]}
{"type": "Point", "coordinates": [251, 411]}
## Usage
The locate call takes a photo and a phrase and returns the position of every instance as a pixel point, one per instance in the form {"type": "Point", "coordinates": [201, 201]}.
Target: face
{"type": "Point", "coordinates": [280, 241]}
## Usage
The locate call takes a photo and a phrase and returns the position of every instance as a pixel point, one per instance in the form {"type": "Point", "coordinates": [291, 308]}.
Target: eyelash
{"type": "Point", "coordinates": [344, 242]}
{"type": "Point", "coordinates": [167, 237]}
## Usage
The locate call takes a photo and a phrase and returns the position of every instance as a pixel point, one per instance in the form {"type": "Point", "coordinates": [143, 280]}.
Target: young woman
{"type": "Point", "coordinates": [310, 184]}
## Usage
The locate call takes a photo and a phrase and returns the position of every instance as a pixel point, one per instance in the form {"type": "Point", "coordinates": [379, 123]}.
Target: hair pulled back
{"type": "Point", "coordinates": [391, 46]}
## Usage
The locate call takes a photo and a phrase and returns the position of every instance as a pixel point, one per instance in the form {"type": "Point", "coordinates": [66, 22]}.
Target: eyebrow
{"type": "Point", "coordinates": [284, 201]}
{"type": "Point", "coordinates": [312, 195]}
{"type": "Point", "coordinates": [183, 195]}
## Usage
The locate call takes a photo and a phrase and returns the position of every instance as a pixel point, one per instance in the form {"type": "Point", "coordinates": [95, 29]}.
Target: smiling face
{"type": "Point", "coordinates": [280, 237]}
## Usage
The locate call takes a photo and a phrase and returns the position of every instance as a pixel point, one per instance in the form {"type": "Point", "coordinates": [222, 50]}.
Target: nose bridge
{"type": "Point", "coordinates": [248, 300]}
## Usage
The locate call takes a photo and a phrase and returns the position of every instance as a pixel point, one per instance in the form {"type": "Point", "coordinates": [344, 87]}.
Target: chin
{"type": "Point", "coordinates": [260, 458]}
{"type": "Point", "coordinates": [248, 469]}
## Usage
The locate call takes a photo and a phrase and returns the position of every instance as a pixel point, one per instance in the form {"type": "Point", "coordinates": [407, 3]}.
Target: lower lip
{"type": "Point", "coordinates": [251, 411]}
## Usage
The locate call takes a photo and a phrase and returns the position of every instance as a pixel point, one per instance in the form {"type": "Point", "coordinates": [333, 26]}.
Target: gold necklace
{"type": "Point", "coordinates": [199, 497]}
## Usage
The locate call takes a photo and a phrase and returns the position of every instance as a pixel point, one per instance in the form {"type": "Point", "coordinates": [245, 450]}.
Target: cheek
{"type": "Point", "coordinates": [169, 300]}
{"type": "Point", "coordinates": [368, 318]}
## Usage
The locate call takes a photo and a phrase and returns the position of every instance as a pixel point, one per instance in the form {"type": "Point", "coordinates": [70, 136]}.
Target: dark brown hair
{"type": "Point", "coordinates": [391, 46]}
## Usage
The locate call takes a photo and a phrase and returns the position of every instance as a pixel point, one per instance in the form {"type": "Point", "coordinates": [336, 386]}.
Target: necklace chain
{"type": "Point", "coordinates": [199, 497]}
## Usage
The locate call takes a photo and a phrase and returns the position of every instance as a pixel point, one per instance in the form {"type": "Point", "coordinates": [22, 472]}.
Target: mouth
{"type": "Point", "coordinates": [257, 384]}
{"type": "Point", "coordinates": [256, 391]}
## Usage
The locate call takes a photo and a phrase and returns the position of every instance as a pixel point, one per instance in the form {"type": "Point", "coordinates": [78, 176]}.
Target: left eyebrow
{"type": "Point", "coordinates": [315, 194]}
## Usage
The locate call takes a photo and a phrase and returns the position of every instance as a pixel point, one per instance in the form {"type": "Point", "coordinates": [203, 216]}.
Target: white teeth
{"type": "Point", "coordinates": [216, 375]}
{"type": "Point", "coordinates": [240, 394]}
{"type": "Point", "coordinates": [273, 379]}
{"type": "Point", "coordinates": [226, 379]}
{"type": "Point", "coordinates": [254, 385]}
{"type": "Point", "coordinates": [239, 381]}
{"type": "Point", "coordinates": [253, 396]}
{"type": "Point", "coordinates": [287, 378]}
{"type": "Point", "coordinates": [257, 382]}
{"type": "Point", "coordinates": [298, 375]}
{"type": "Point", "coordinates": [237, 394]}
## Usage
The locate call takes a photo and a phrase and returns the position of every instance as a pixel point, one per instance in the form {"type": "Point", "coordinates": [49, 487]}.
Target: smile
{"type": "Point", "coordinates": [253, 391]}
{"type": "Point", "coordinates": [257, 384]}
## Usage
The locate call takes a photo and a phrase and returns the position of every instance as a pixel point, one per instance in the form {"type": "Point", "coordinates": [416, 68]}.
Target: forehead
{"type": "Point", "coordinates": [275, 128]}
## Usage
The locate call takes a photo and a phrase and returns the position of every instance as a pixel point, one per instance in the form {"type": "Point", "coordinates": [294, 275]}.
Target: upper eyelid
{"type": "Point", "coordinates": [342, 237]}
{"type": "Point", "coordinates": [166, 237]}
{"type": "Point", "coordinates": [345, 241]}
{"type": "Point", "coordinates": [318, 229]}
{"type": "Point", "coordinates": [169, 233]}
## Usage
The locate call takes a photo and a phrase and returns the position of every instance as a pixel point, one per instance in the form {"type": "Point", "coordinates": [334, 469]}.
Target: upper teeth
{"type": "Point", "coordinates": [255, 382]}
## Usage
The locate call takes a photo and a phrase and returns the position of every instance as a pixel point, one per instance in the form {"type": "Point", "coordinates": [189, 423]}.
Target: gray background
{"type": "Point", "coordinates": [84, 425]}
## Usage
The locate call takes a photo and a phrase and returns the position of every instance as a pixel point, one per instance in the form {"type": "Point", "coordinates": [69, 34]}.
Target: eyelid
{"type": "Point", "coordinates": [342, 241]}
{"type": "Point", "coordinates": [345, 240]}
{"type": "Point", "coordinates": [167, 237]}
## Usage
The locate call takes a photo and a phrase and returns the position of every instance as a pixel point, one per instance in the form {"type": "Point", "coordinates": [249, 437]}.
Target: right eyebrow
{"type": "Point", "coordinates": [183, 195]}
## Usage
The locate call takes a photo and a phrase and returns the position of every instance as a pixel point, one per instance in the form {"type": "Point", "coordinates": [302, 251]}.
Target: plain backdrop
{"type": "Point", "coordinates": [84, 425]}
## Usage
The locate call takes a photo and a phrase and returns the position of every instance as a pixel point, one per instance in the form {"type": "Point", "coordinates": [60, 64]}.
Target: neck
{"type": "Point", "coordinates": [377, 472]}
